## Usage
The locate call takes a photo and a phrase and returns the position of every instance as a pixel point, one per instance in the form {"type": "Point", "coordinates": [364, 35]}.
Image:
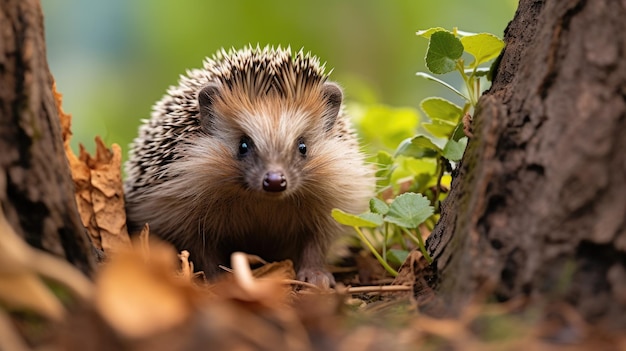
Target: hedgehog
{"type": "Point", "coordinates": [249, 153]}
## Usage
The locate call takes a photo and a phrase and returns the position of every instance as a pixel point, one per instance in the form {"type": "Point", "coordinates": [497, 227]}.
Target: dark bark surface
{"type": "Point", "coordinates": [36, 190]}
{"type": "Point", "coordinates": [538, 207]}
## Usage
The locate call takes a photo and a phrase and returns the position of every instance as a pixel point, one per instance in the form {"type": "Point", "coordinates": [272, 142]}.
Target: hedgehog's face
{"type": "Point", "coordinates": [270, 169]}
{"type": "Point", "coordinates": [272, 139]}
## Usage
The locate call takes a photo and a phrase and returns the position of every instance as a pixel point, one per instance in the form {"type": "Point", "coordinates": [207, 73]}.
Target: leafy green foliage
{"type": "Point", "coordinates": [453, 150]}
{"type": "Point", "coordinates": [379, 206]}
{"type": "Point", "coordinates": [414, 158]}
{"type": "Point", "coordinates": [443, 114]}
{"type": "Point", "coordinates": [409, 210]}
{"type": "Point", "coordinates": [418, 146]}
{"type": "Point", "coordinates": [363, 220]}
{"type": "Point", "coordinates": [444, 49]}
{"type": "Point", "coordinates": [483, 46]}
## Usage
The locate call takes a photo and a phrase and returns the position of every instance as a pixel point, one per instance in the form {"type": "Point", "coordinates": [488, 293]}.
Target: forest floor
{"type": "Point", "coordinates": [145, 296]}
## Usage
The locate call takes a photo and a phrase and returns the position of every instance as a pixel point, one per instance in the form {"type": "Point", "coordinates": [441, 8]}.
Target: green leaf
{"type": "Point", "coordinates": [454, 150]}
{"type": "Point", "coordinates": [383, 158]}
{"type": "Point", "coordinates": [444, 116]}
{"type": "Point", "coordinates": [385, 169]}
{"type": "Point", "coordinates": [378, 206]}
{"type": "Point", "coordinates": [397, 257]}
{"type": "Point", "coordinates": [443, 51]}
{"type": "Point", "coordinates": [420, 165]}
{"type": "Point", "coordinates": [440, 129]}
{"type": "Point", "coordinates": [417, 147]}
{"type": "Point", "coordinates": [435, 79]}
{"type": "Point", "coordinates": [425, 142]}
{"type": "Point", "coordinates": [441, 109]}
{"type": "Point", "coordinates": [374, 219]}
{"type": "Point", "coordinates": [408, 167]}
{"type": "Point", "coordinates": [458, 132]}
{"type": "Point", "coordinates": [409, 210]}
{"type": "Point", "coordinates": [483, 46]}
{"type": "Point", "coordinates": [426, 33]}
{"type": "Point", "coordinates": [370, 220]}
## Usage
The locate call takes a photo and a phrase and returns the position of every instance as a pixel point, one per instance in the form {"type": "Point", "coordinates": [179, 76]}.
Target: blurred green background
{"type": "Point", "coordinates": [113, 59]}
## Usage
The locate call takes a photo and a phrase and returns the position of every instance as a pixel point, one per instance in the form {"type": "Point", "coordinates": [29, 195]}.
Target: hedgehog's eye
{"type": "Point", "coordinates": [302, 147]}
{"type": "Point", "coordinates": [245, 144]}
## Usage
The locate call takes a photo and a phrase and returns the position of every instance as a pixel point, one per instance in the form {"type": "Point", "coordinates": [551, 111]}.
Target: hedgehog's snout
{"type": "Point", "coordinates": [274, 181]}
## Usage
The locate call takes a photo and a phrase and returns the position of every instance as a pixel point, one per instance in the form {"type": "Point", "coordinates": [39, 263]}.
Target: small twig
{"type": "Point", "coordinates": [352, 289]}
{"type": "Point", "coordinates": [384, 288]}
{"type": "Point", "coordinates": [224, 268]}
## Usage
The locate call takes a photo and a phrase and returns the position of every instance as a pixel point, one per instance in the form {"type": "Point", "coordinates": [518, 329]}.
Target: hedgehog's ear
{"type": "Point", "coordinates": [206, 101]}
{"type": "Point", "coordinates": [333, 96]}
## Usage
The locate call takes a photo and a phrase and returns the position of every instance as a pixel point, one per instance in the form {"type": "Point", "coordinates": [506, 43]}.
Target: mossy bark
{"type": "Point", "coordinates": [36, 190]}
{"type": "Point", "coordinates": [538, 205]}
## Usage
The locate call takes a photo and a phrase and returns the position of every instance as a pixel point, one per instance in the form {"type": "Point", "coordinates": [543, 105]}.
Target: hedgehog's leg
{"type": "Point", "coordinates": [311, 266]}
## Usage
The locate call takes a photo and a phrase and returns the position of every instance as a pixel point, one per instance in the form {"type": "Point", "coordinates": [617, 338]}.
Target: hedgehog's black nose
{"type": "Point", "coordinates": [274, 181]}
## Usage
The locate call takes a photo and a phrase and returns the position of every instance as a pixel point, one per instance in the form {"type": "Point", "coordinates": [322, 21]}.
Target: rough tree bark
{"type": "Point", "coordinates": [36, 190]}
{"type": "Point", "coordinates": [538, 206]}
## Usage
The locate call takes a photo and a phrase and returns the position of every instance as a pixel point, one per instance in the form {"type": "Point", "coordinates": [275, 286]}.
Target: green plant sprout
{"type": "Point", "coordinates": [412, 178]}
{"type": "Point", "coordinates": [407, 212]}
{"type": "Point", "coordinates": [445, 54]}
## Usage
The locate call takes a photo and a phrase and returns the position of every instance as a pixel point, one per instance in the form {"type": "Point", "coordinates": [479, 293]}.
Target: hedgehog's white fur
{"type": "Point", "coordinates": [184, 181]}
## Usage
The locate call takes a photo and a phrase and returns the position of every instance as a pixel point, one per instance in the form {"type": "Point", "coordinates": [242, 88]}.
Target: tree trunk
{"type": "Point", "coordinates": [538, 206]}
{"type": "Point", "coordinates": [36, 189]}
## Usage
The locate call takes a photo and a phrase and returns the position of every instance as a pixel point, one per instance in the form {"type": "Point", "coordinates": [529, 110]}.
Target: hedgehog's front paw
{"type": "Point", "coordinates": [318, 277]}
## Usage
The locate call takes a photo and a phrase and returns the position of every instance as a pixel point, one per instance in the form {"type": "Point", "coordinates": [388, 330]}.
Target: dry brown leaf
{"type": "Point", "coordinates": [143, 296]}
{"type": "Point", "coordinates": [99, 194]}
{"type": "Point", "coordinates": [140, 296]}
{"type": "Point", "coordinates": [80, 170]}
{"type": "Point", "coordinates": [263, 286]}
{"type": "Point", "coordinates": [108, 197]}
{"type": "Point", "coordinates": [280, 270]}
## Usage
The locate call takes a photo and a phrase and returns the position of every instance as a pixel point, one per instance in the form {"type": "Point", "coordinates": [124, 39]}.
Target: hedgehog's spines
{"type": "Point", "coordinates": [259, 69]}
